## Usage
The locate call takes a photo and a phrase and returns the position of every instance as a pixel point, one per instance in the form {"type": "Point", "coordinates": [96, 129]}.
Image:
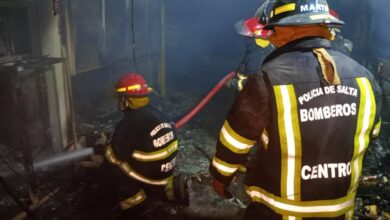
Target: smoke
{"type": "Point", "coordinates": [202, 43]}
{"type": "Point", "coordinates": [380, 27]}
{"type": "Point", "coordinates": [366, 25]}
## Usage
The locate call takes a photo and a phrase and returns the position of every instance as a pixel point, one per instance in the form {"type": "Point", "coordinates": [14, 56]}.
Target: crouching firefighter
{"type": "Point", "coordinates": [320, 110]}
{"type": "Point", "coordinates": [142, 151]}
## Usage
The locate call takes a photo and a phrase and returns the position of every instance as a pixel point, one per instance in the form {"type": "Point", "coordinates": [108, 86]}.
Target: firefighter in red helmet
{"type": "Point", "coordinates": [142, 150]}
{"type": "Point", "coordinates": [319, 109]}
{"type": "Point", "coordinates": [132, 91]}
{"type": "Point", "coordinates": [256, 47]}
{"type": "Point", "coordinates": [339, 42]}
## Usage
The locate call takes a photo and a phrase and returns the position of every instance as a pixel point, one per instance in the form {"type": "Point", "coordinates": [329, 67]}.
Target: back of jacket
{"type": "Point", "coordinates": [146, 143]}
{"type": "Point", "coordinates": [317, 133]}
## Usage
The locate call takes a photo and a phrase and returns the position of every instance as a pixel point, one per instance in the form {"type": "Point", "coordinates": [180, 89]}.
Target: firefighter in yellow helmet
{"type": "Point", "coordinates": [142, 151]}
{"type": "Point", "coordinates": [319, 109]}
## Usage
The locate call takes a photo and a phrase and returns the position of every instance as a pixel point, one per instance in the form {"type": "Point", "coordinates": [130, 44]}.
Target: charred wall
{"type": "Point", "coordinates": [24, 115]}
{"type": "Point", "coordinates": [124, 37]}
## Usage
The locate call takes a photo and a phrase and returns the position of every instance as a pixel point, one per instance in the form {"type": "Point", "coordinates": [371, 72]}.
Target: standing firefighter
{"type": "Point", "coordinates": [256, 47]}
{"type": "Point", "coordinates": [319, 108]}
{"type": "Point", "coordinates": [142, 150]}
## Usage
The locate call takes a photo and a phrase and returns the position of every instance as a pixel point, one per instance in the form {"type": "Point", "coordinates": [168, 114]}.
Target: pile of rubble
{"type": "Point", "coordinates": [373, 196]}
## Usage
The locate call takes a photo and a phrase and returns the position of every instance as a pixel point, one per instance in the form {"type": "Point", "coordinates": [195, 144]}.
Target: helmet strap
{"type": "Point", "coordinates": [122, 103]}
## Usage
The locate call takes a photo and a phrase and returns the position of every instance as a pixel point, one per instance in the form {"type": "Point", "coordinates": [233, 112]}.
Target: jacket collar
{"type": "Point", "coordinates": [303, 44]}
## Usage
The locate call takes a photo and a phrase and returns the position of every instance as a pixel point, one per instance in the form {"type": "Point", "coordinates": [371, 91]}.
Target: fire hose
{"type": "Point", "coordinates": [232, 199]}
{"type": "Point", "coordinates": [74, 155]}
{"type": "Point", "coordinates": [205, 100]}
{"type": "Point", "coordinates": [88, 151]}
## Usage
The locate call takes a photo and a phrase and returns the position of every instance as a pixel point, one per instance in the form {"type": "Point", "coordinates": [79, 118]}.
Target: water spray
{"type": "Point", "coordinates": [53, 160]}
{"type": "Point", "coordinates": [62, 158]}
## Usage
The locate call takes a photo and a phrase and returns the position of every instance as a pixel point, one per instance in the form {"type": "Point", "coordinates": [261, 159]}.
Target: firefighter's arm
{"type": "Point", "coordinates": [119, 149]}
{"type": "Point", "coordinates": [378, 99]}
{"type": "Point", "coordinates": [240, 131]}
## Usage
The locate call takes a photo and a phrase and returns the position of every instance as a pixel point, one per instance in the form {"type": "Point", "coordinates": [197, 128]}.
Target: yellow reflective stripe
{"type": "Point", "coordinates": [238, 138]}
{"type": "Point", "coordinates": [157, 155]}
{"type": "Point", "coordinates": [290, 141]}
{"type": "Point", "coordinates": [224, 168]}
{"type": "Point", "coordinates": [123, 89]}
{"type": "Point", "coordinates": [242, 140]}
{"type": "Point", "coordinates": [283, 139]}
{"type": "Point", "coordinates": [349, 215]}
{"type": "Point", "coordinates": [284, 8]}
{"type": "Point", "coordinates": [236, 143]}
{"type": "Point", "coordinates": [134, 87]}
{"type": "Point", "coordinates": [125, 167]}
{"type": "Point", "coordinates": [318, 208]}
{"type": "Point", "coordinates": [365, 121]}
{"type": "Point", "coordinates": [129, 88]}
{"type": "Point", "coordinates": [287, 217]}
{"type": "Point", "coordinates": [230, 146]}
{"type": "Point", "coordinates": [133, 201]}
{"type": "Point", "coordinates": [110, 156]}
{"type": "Point", "coordinates": [321, 16]}
{"type": "Point", "coordinates": [169, 190]}
{"type": "Point", "coordinates": [265, 139]}
{"type": "Point", "coordinates": [377, 129]}
{"type": "Point", "coordinates": [297, 142]}
{"type": "Point", "coordinates": [242, 169]}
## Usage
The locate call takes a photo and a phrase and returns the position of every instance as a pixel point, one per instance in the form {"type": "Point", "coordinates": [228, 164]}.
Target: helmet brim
{"type": "Point", "coordinates": [306, 19]}
{"type": "Point", "coordinates": [243, 30]}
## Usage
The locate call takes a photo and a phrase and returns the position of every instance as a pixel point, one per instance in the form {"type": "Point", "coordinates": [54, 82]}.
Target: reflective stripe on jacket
{"type": "Point", "coordinates": [144, 146]}
{"type": "Point", "coordinates": [320, 110]}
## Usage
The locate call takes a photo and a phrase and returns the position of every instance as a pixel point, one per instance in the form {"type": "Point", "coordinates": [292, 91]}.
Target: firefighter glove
{"type": "Point", "coordinates": [102, 139]}
{"type": "Point", "coordinates": [241, 78]}
{"type": "Point", "coordinates": [237, 82]}
{"type": "Point", "coordinates": [221, 189]}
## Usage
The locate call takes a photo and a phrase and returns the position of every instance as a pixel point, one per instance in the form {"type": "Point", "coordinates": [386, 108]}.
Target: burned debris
{"type": "Point", "coordinates": [59, 61]}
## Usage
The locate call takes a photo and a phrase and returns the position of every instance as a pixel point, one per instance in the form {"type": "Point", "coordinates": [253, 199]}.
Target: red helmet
{"type": "Point", "coordinates": [334, 13]}
{"type": "Point", "coordinates": [133, 85]}
{"type": "Point", "coordinates": [254, 26]}
{"type": "Point", "coordinates": [251, 28]}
